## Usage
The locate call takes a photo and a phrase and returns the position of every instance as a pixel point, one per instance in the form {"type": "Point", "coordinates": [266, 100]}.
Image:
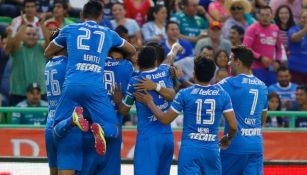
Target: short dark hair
{"type": "Point", "coordinates": [244, 54]}
{"type": "Point", "coordinates": [239, 29]}
{"type": "Point", "coordinates": [29, 1]}
{"type": "Point", "coordinates": [266, 7]}
{"type": "Point", "coordinates": [207, 47]}
{"type": "Point", "coordinates": [147, 57]}
{"type": "Point", "coordinates": [159, 51]}
{"type": "Point", "coordinates": [92, 9]}
{"type": "Point", "coordinates": [204, 69]}
{"type": "Point", "coordinates": [62, 2]}
{"type": "Point", "coordinates": [282, 69]}
{"type": "Point", "coordinates": [302, 87]}
{"type": "Point", "coordinates": [120, 30]}
{"type": "Point", "coordinates": [54, 34]}
{"type": "Point", "coordinates": [185, 2]}
{"type": "Point", "coordinates": [118, 50]}
{"type": "Point", "coordinates": [169, 23]}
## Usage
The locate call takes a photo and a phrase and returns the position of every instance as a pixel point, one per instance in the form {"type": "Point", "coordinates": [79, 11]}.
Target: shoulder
{"type": "Point", "coordinates": [22, 104]}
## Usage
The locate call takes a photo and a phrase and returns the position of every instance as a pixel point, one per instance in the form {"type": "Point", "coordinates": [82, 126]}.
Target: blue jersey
{"type": "Point", "coordinates": [249, 98]}
{"type": "Point", "coordinates": [202, 108]}
{"type": "Point", "coordinates": [147, 122]}
{"type": "Point", "coordinates": [117, 72]}
{"type": "Point", "coordinates": [88, 45]}
{"type": "Point", "coordinates": [285, 93]}
{"type": "Point", "coordinates": [54, 76]}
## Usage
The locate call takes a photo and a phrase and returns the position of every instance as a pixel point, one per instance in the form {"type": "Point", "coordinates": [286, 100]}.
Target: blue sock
{"type": "Point", "coordinates": [62, 127]}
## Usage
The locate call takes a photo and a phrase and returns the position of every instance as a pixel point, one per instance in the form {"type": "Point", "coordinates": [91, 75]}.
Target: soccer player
{"type": "Point", "coordinates": [54, 76]}
{"type": "Point", "coordinates": [202, 105]}
{"type": "Point", "coordinates": [87, 45]}
{"type": "Point", "coordinates": [249, 98]}
{"type": "Point", "coordinates": [118, 71]}
{"type": "Point", "coordinates": [155, 143]}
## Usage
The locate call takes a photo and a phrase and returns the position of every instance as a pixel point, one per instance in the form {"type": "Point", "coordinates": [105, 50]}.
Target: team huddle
{"type": "Point", "coordinates": [91, 85]}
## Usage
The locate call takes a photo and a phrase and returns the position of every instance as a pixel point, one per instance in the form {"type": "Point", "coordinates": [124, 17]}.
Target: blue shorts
{"type": "Point", "coordinates": [153, 155]}
{"type": "Point", "coordinates": [51, 148]}
{"type": "Point", "coordinates": [69, 150]}
{"type": "Point", "coordinates": [195, 160]}
{"type": "Point", "coordinates": [94, 100]}
{"type": "Point", "coordinates": [245, 164]}
{"type": "Point", "coordinates": [101, 165]}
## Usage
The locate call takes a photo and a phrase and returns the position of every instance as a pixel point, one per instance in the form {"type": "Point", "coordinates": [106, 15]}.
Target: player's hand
{"type": "Point", "coordinates": [145, 84]}
{"type": "Point", "coordinates": [224, 142]}
{"type": "Point", "coordinates": [143, 97]}
{"type": "Point", "coordinates": [266, 61]}
{"type": "Point", "coordinates": [117, 94]}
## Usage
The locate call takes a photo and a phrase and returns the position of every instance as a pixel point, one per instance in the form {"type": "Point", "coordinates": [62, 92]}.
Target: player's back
{"type": "Point", "coordinates": [249, 98]}
{"type": "Point", "coordinates": [202, 108]}
{"type": "Point", "coordinates": [117, 72]}
{"type": "Point", "coordinates": [147, 122]}
{"type": "Point", "coordinates": [87, 46]}
{"type": "Point", "coordinates": [54, 76]}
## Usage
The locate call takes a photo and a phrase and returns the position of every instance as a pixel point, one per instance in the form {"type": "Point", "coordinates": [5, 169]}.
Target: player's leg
{"type": "Point", "coordinates": [146, 156]}
{"type": "Point", "coordinates": [70, 152]}
{"type": "Point", "coordinates": [210, 162]}
{"type": "Point", "coordinates": [254, 165]}
{"type": "Point", "coordinates": [233, 164]}
{"type": "Point", "coordinates": [51, 151]}
{"type": "Point", "coordinates": [167, 140]}
{"type": "Point", "coordinates": [187, 162]}
{"type": "Point", "coordinates": [110, 162]}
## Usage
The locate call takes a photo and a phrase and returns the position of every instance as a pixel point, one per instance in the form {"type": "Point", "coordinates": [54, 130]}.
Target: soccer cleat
{"type": "Point", "coordinates": [78, 119]}
{"type": "Point", "coordinates": [100, 141]}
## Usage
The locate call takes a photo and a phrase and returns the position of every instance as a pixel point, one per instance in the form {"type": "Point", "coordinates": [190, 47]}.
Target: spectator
{"type": "Point", "coordinates": [263, 38]}
{"type": "Point", "coordinates": [131, 25]}
{"type": "Point", "coordinates": [217, 10]}
{"type": "Point", "coordinates": [238, 9]}
{"type": "Point", "coordinates": [206, 51]}
{"type": "Point", "coordinates": [25, 52]}
{"type": "Point", "coordinates": [297, 59]}
{"type": "Point", "coordinates": [284, 88]}
{"type": "Point", "coordinates": [274, 104]}
{"type": "Point", "coordinates": [295, 6]}
{"type": "Point", "coordinates": [44, 6]}
{"type": "Point", "coordinates": [236, 35]}
{"type": "Point", "coordinates": [10, 8]}
{"type": "Point", "coordinates": [221, 59]}
{"type": "Point", "coordinates": [33, 100]}
{"type": "Point", "coordinates": [154, 29]}
{"type": "Point", "coordinates": [30, 10]}
{"type": "Point", "coordinates": [172, 31]}
{"type": "Point", "coordinates": [60, 10]}
{"type": "Point", "coordinates": [301, 99]}
{"type": "Point", "coordinates": [107, 9]}
{"type": "Point", "coordinates": [137, 9]}
{"type": "Point", "coordinates": [214, 40]}
{"type": "Point", "coordinates": [284, 21]}
{"type": "Point", "coordinates": [191, 26]}
{"type": "Point", "coordinates": [4, 58]}
{"type": "Point", "coordinates": [220, 74]}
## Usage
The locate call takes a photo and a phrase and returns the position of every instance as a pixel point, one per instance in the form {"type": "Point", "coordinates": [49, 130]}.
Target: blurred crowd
{"type": "Point", "coordinates": [275, 30]}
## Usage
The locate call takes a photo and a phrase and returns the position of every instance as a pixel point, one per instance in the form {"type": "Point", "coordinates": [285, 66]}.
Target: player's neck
{"type": "Point", "coordinates": [245, 71]}
{"type": "Point", "coordinates": [147, 69]}
{"type": "Point", "coordinates": [95, 20]}
{"type": "Point", "coordinates": [202, 83]}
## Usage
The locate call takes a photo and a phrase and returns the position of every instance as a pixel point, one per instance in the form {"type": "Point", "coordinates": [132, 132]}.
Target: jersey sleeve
{"type": "Point", "coordinates": [227, 107]}
{"type": "Point", "coordinates": [177, 104]}
{"type": "Point", "coordinates": [129, 97]}
{"type": "Point", "coordinates": [169, 81]}
{"type": "Point", "coordinates": [225, 84]}
{"type": "Point", "coordinates": [61, 39]}
{"type": "Point", "coordinates": [116, 39]}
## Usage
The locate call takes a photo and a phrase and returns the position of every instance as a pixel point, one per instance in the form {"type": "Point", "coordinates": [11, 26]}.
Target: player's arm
{"type": "Point", "coordinates": [163, 117]}
{"type": "Point", "coordinates": [130, 50]}
{"type": "Point", "coordinates": [146, 84]}
{"type": "Point", "coordinates": [123, 105]}
{"type": "Point", "coordinates": [52, 49]}
{"type": "Point", "coordinates": [232, 122]}
{"type": "Point", "coordinates": [263, 117]}
{"type": "Point", "coordinates": [57, 45]}
{"type": "Point", "coordinates": [170, 58]}
{"type": "Point", "coordinates": [13, 43]}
